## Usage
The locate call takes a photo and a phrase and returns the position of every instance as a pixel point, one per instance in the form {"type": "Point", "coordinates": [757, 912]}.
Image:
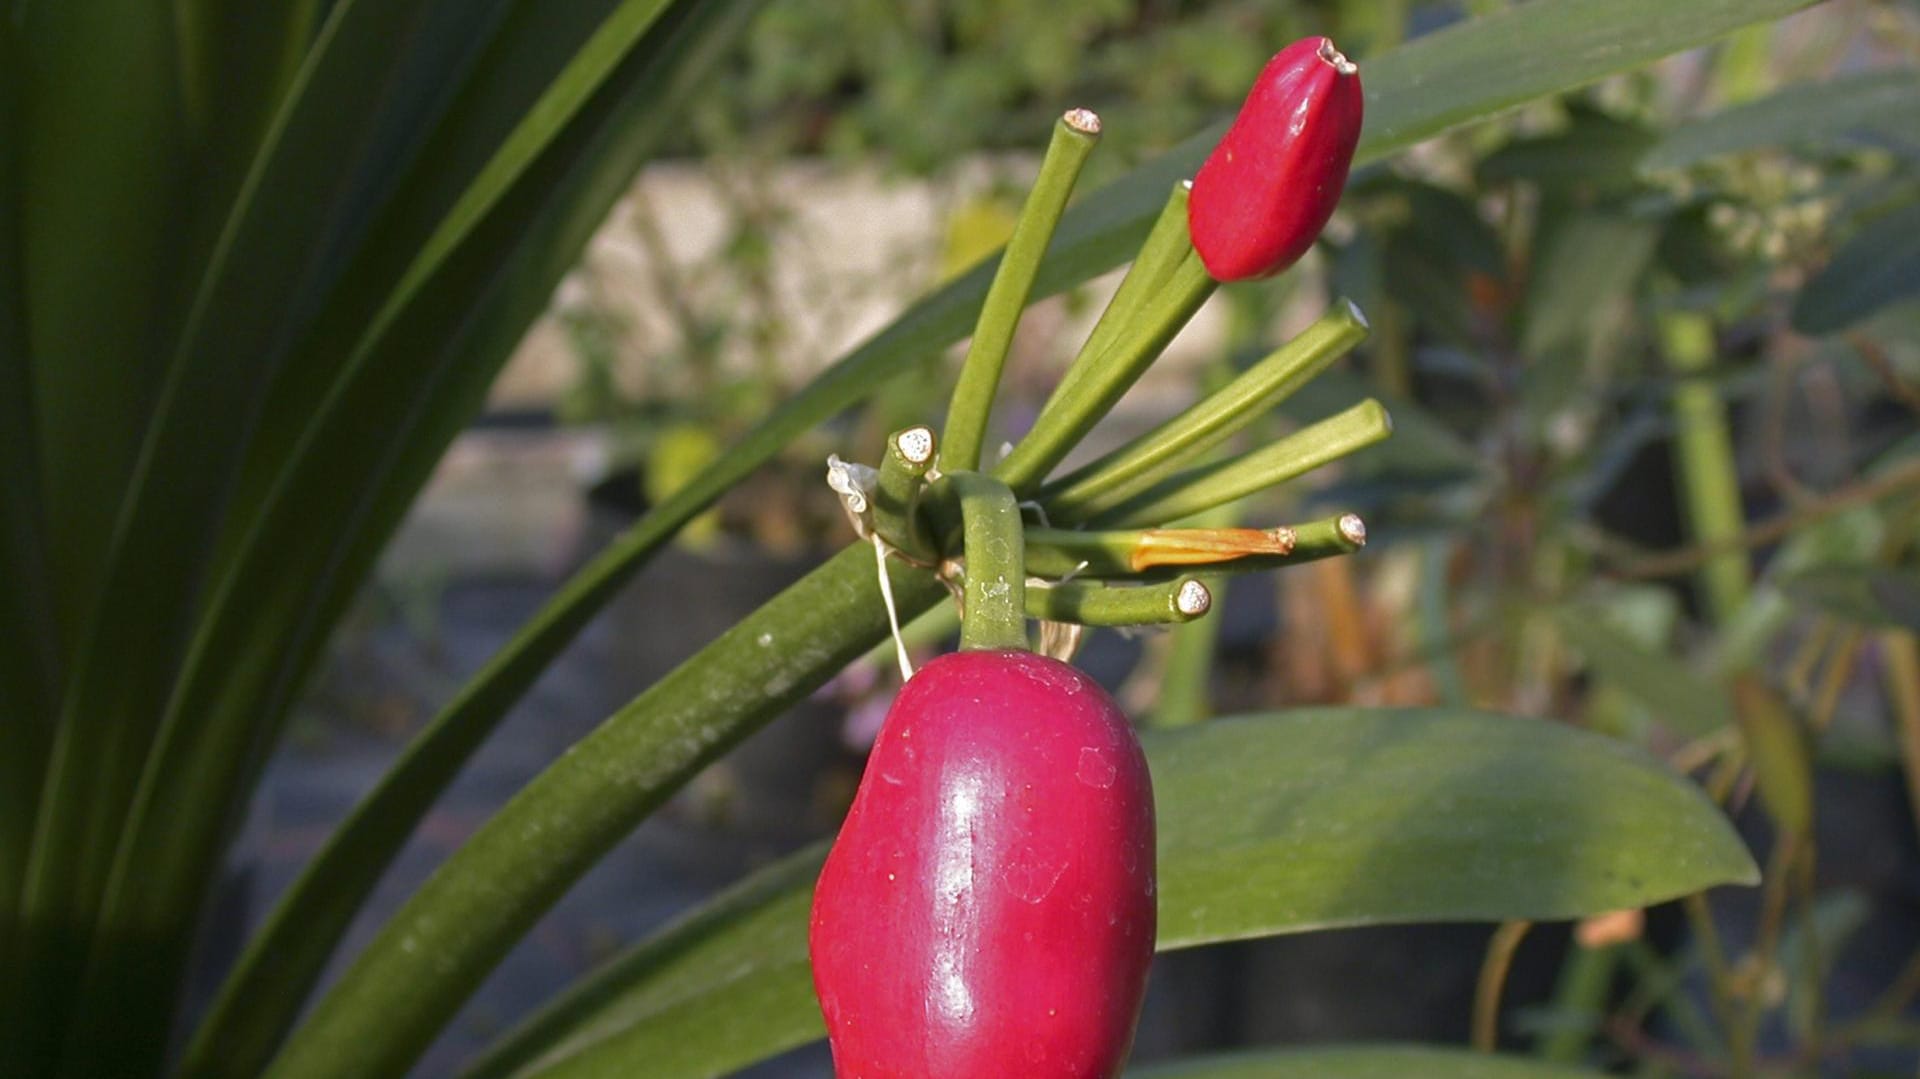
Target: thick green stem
{"type": "Point", "coordinates": [1136, 466]}
{"type": "Point", "coordinates": [994, 611]}
{"type": "Point", "coordinates": [1073, 139]}
{"type": "Point", "coordinates": [1093, 385]}
{"type": "Point", "coordinates": [1709, 477]}
{"type": "Point", "coordinates": [1095, 603]}
{"type": "Point", "coordinates": [1162, 554]}
{"type": "Point", "coordinates": [1202, 488]}
{"type": "Point", "coordinates": [434, 952]}
{"type": "Point", "coordinates": [896, 496]}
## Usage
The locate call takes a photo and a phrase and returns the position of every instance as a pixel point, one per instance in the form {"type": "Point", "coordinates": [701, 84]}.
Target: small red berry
{"type": "Point", "coordinates": [1267, 190]}
{"type": "Point", "coordinates": [988, 909]}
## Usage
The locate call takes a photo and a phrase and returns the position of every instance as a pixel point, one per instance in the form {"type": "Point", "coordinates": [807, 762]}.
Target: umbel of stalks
{"type": "Point", "coordinates": [988, 910]}
{"type": "Point", "coordinates": [1268, 189]}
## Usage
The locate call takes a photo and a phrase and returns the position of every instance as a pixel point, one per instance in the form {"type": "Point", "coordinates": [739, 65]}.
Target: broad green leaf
{"type": "Point", "coordinates": [1268, 824]}
{"type": "Point", "coordinates": [1878, 266]}
{"type": "Point", "coordinates": [1872, 595]}
{"type": "Point", "coordinates": [1819, 115]}
{"type": "Point", "coordinates": [1359, 1062]}
{"type": "Point", "coordinates": [1683, 701]}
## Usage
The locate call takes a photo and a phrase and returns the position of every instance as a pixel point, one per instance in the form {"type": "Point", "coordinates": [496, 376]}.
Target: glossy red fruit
{"type": "Point", "coordinates": [988, 909]}
{"type": "Point", "coordinates": [1267, 190]}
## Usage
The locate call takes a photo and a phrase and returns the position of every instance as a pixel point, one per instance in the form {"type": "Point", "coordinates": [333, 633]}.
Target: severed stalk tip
{"type": "Point", "coordinates": [1193, 599]}
{"type": "Point", "coordinates": [1353, 529]}
{"type": "Point", "coordinates": [1085, 121]}
{"type": "Point", "coordinates": [916, 445]}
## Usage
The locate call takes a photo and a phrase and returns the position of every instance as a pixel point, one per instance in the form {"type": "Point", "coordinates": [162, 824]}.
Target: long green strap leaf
{"type": "Point", "coordinates": [1268, 824]}
{"type": "Point", "coordinates": [538, 70]}
{"type": "Point", "coordinates": [98, 91]}
{"type": "Point", "coordinates": [428, 377]}
{"type": "Point", "coordinates": [94, 254]}
{"type": "Point", "coordinates": [325, 161]}
{"type": "Point", "coordinates": [1549, 53]}
{"type": "Point", "coordinates": [29, 662]}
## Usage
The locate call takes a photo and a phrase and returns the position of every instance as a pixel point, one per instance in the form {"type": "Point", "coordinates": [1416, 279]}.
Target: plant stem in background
{"type": "Point", "coordinates": [1198, 489]}
{"type": "Point", "coordinates": [1493, 978]}
{"type": "Point", "coordinates": [1902, 651]}
{"type": "Point", "coordinates": [1135, 467]}
{"type": "Point", "coordinates": [1185, 678]}
{"type": "Point", "coordinates": [1074, 136]}
{"type": "Point", "coordinates": [1709, 477]}
{"type": "Point", "coordinates": [993, 615]}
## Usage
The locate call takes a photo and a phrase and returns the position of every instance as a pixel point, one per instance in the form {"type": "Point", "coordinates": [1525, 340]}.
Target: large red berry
{"type": "Point", "coordinates": [988, 909]}
{"type": "Point", "coordinates": [1267, 190]}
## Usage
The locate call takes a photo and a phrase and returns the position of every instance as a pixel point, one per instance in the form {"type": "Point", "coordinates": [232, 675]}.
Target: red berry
{"type": "Point", "coordinates": [988, 909]}
{"type": "Point", "coordinates": [1267, 190]}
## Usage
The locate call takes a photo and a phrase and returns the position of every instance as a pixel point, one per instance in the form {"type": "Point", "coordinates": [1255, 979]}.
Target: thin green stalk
{"type": "Point", "coordinates": [993, 614]}
{"type": "Point", "coordinates": [1326, 538]}
{"type": "Point", "coordinates": [1579, 1002]}
{"type": "Point", "coordinates": [1198, 489]}
{"type": "Point", "coordinates": [1079, 402]}
{"type": "Point", "coordinates": [1709, 477]}
{"type": "Point", "coordinates": [1493, 979]}
{"type": "Point", "coordinates": [1074, 137]}
{"type": "Point", "coordinates": [1095, 603]}
{"type": "Point", "coordinates": [1162, 250]}
{"type": "Point", "coordinates": [1136, 466]}
{"type": "Point", "coordinates": [434, 951]}
{"type": "Point", "coordinates": [903, 471]}
{"type": "Point", "coordinates": [1066, 552]}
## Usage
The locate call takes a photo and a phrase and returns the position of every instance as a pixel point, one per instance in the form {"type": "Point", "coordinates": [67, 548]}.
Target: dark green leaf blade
{"type": "Point", "coordinates": [98, 86]}
{"type": "Point", "coordinates": [29, 661]}
{"type": "Point", "coordinates": [1820, 114]}
{"type": "Point", "coordinates": [1878, 266]}
{"type": "Point", "coordinates": [1268, 824]}
{"type": "Point", "coordinates": [421, 379]}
